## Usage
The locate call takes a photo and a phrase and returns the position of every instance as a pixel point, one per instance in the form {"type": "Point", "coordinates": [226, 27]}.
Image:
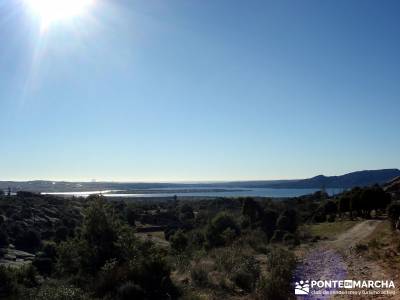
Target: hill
{"type": "Point", "coordinates": [359, 178]}
{"type": "Point", "coordinates": [393, 187]}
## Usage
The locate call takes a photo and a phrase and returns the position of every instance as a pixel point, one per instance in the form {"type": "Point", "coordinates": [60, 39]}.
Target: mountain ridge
{"type": "Point", "coordinates": [349, 180]}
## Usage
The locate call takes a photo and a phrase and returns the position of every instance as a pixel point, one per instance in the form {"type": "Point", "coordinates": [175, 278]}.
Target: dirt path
{"type": "Point", "coordinates": [355, 234]}
{"type": "Point", "coordinates": [338, 260]}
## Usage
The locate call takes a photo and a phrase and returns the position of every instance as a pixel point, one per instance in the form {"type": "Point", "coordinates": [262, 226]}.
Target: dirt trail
{"type": "Point", "coordinates": [355, 234]}
{"type": "Point", "coordinates": [339, 260]}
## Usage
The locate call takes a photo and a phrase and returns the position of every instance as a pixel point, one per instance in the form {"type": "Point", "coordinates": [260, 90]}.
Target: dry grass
{"type": "Point", "coordinates": [384, 247]}
{"type": "Point", "coordinates": [156, 237]}
{"type": "Point", "coordinates": [329, 230]}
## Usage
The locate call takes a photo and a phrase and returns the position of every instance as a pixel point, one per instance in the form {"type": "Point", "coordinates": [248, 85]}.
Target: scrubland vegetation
{"type": "Point", "coordinates": [93, 248]}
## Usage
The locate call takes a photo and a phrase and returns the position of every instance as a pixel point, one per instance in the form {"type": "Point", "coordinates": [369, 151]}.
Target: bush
{"type": "Point", "coordinates": [99, 234]}
{"type": "Point", "coordinates": [28, 240]}
{"type": "Point", "coordinates": [61, 233]}
{"type": "Point", "coordinates": [246, 274]}
{"type": "Point", "coordinates": [393, 211]}
{"type": "Point", "coordinates": [256, 239]}
{"type": "Point", "coordinates": [3, 237]}
{"type": "Point", "coordinates": [59, 291]}
{"type": "Point", "coordinates": [26, 276]}
{"type": "Point", "coordinates": [199, 275]}
{"type": "Point", "coordinates": [287, 221]}
{"type": "Point", "coordinates": [216, 234]}
{"type": "Point", "coordinates": [179, 241]}
{"type": "Point", "coordinates": [152, 273]}
{"type": "Point", "coordinates": [44, 265]}
{"type": "Point", "coordinates": [50, 250]}
{"type": "Point", "coordinates": [277, 283]}
{"type": "Point", "coordinates": [168, 232]}
{"type": "Point", "coordinates": [290, 239]}
{"type": "Point", "coordinates": [278, 236]}
{"type": "Point", "coordinates": [131, 217]}
{"type": "Point", "coordinates": [196, 239]}
{"type": "Point", "coordinates": [68, 257]}
{"type": "Point", "coordinates": [129, 291]}
{"type": "Point", "coordinates": [7, 282]}
{"type": "Point", "coordinates": [226, 259]}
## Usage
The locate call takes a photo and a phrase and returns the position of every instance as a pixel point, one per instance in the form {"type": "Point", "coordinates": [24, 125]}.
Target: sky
{"type": "Point", "coordinates": [184, 90]}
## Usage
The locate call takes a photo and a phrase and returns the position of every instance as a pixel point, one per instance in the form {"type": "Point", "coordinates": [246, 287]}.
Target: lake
{"type": "Point", "coordinates": [203, 192]}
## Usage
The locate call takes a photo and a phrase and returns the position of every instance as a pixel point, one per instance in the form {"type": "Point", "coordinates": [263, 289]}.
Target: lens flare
{"type": "Point", "coordinates": [55, 10]}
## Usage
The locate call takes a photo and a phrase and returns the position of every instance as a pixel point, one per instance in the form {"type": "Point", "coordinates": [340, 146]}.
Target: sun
{"type": "Point", "coordinates": [56, 10]}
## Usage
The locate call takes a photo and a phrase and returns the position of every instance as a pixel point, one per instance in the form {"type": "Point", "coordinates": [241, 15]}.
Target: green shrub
{"type": "Point", "coordinates": [257, 239]}
{"type": "Point", "coordinates": [290, 239]}
{"type": "Point", "coordinates": [199, 275]}
{"type": "Point", "coordinates": [179, 241]}
{"type": "Point", "coordinates": [246, 273]}
{"type": "Point", "coordinates": [8, 284]}
{"type": "Point", "coordinates": [277, 283]}
{"type": "Point", "coordinates": [129, 291]}
{"type": "Point", "coordinates": [152, 273]}
{"type": "Point", "coordinates": [278, 236]}
{"type": "Point", "coordinates": [44, 265]}
{"type": "Point", "coordinates": [28, 240]}
{"type": "Point", "coordinates": [287, 221]}
{"type": "Point", "coordinates": [130, 216]}
{"type": "Point", "coordinates": [50, 250]}
{"type": "Point", "coordinates": [216, 231]}
{"type": "Point", "coordinates": [61, 233]}
{"type": "Point", "coordinates": [100, 233]}
{"type": "Point", "coordinates": [3, 237]}
{"type": "Point", "coordinates": [26, 276]}
{"type": "Point", "coordinates": [59, 291]}
{"type": "Point", "coordinates": [226, 259]}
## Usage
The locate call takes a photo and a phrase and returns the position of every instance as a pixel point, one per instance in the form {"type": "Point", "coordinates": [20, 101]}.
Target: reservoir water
{"type": "Point", "coordinates": [203, 192]}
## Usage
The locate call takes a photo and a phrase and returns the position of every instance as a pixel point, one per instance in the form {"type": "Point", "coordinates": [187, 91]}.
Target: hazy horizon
{"type": "Point", "coordinates": [189, 91]}
{"type": "Point", "coordinates": [178, 181]}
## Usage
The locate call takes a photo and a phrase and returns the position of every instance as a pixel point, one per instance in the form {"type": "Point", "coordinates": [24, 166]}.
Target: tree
{"type": "Point", "coordinates": [330, 207]}
{"type": "Point", "coordinates": [179, 241]}
{"type": "Point", "coordinates": [251, 210]}
{"type": "Point", "coordinates": [3, 237]}
{"type": "Point", "coordinates": [131, 216]}
{"type": "Point", "coordinates": [187, 209]}
{"type": "Point", "coordinates": [186, 213]}
{"type": "Point", "coordinates": [255, 216]}
{"type": "Point", "coordinates": [99, 232]}
{"type": "Point", "coordinates": [268, 222]}
{"type": "Point", "coordinates": [218, 225]}
{"type": "Point", "coordinates": [287, 221]}
{"type": "Point", "coordinates": [28, 240]}
{"type": "Point", "coordinates": [344, 204]}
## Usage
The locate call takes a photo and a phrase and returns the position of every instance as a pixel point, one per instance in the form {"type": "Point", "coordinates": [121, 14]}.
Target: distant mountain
{"type": "Point", "coordinates": [360, 178]}
{"type": "Point", "coordinates": [393, 186]}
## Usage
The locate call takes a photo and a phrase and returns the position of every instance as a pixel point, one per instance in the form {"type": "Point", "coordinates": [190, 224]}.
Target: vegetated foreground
{"type": "Point", "coordinates": [93, 248]}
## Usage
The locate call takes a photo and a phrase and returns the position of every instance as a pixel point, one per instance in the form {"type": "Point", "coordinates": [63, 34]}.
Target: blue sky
{"type": "Point", "coordinates": [200, 90]}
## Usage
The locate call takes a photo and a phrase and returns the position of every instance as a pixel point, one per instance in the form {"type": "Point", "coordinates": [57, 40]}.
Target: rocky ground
{"type": "Point", "coordinates": [340, 259]}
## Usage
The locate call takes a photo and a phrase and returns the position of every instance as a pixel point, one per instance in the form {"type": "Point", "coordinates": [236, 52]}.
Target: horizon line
{"type": "Point", "coordinates": [182, 181]}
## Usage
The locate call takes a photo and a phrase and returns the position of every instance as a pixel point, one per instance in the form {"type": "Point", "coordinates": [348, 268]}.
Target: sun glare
{"type": "Point", "coordinates": [56, 10]}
